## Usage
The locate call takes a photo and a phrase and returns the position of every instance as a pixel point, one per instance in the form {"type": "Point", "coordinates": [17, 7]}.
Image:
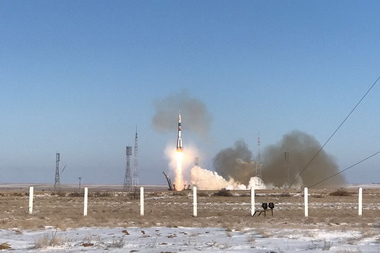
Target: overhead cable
{"type": "Point", "coordinates": [332, 135]}
{"type": "Point", "coordinates": [339, 172]}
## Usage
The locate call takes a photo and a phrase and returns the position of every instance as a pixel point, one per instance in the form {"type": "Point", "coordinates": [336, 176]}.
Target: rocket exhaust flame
{"type": "Point", "coordinates": [178, 181]}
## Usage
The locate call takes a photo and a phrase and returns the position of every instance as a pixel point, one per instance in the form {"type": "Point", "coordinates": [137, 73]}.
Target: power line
{"type": "Point", "coordinates": [323, 180]}
{"type": "Point", "coordinates": [365, 159]}
{"type": "Point", "coordinates": [332, 135]}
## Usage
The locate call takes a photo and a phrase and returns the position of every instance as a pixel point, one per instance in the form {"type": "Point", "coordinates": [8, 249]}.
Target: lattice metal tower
{"type": "Point", "coordinates": [258, 163]}
{"type": "Point", "coordinates": [135, 178]}
{"type": "Point", "coordinates": [57, 183]}
{"type": "Point", "coordinates": [287, 161]}
{"type": "Point", "coordinates": [128, 172]}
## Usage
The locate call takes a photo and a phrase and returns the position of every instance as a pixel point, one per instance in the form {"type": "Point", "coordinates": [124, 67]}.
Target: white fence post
{"type": "Point", "coordinates": [195, 204]}
{"type": "Point", "coordinates": [252, 201]}
{"type": "Point", "coordinates": [306, 193]}
{"type": "Point", "coordinates": [85, 201]}
{"type": "Point", "coordinates": [31, 189]}
{"type": "Point", "coordinates": [360, 208]}
{"type": "Point", "coordinates": [142, 201]}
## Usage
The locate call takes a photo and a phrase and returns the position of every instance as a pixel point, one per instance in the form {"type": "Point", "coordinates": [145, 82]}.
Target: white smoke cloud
{"type": "Point", "coordinates": [206, 179]}
{"type": "Point", "coordinates": [210, 180]}
{"type": "Point", "coordinates": [256, 183]}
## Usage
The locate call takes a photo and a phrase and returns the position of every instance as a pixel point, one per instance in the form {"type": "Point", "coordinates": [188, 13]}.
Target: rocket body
{"type": "Point", "coordinates": [179, 138]}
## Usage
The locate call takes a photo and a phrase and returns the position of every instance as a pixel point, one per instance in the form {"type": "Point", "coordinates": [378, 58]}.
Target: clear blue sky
{"type": "Point", "coordinates": [76, 77]}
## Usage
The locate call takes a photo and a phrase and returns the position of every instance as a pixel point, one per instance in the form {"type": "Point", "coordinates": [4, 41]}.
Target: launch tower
{"type": "Point", "coordinates": [131, 179]}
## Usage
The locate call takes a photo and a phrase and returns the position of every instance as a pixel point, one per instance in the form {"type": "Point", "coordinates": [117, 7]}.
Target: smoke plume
{"type": "Point", "coordinates": [282, 163]}
{"type": "Point", "coordinates": [195, 116]}
{"type": "Point", "coordinates": [206, 179]}
{"type": "Point", "coordinates": [235, 163]}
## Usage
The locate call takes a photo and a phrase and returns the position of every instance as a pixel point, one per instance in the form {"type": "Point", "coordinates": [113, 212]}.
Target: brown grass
{"type": "Point", "coordinates": [223, 193]}
{"type": "Point", "coordinates": [49, 240]}
{"type": "Point", "coordinates": [340, 192]}
{"type": "Point", "coordinates": [5, 245]}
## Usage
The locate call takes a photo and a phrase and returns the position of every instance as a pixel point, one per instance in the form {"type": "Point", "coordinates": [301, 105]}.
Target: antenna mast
{"type": "Point", "coordinates": [287, 160]}
{"type": "Point", "coordinates": [128, 172]}
{"type": "Point", "coordinates": [258, 164]}
{"type": "Point", "coordinates": [57, 183]}
{"type": "Point", "coordinates": [135, 179]}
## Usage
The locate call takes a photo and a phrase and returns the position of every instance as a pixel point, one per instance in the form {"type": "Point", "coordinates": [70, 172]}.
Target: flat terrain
{"type": "Point", "coordinates": [112, 207]}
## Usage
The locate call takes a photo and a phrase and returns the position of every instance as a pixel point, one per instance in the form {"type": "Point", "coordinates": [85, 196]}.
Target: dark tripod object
{"type": "Point", "coordinates": [271, 206]}
{"type": "Point", "coordinates": [265, 207]}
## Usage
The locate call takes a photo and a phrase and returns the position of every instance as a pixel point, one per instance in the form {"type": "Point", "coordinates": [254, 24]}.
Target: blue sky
{"type": "Point", "coordinates": [76, 77]}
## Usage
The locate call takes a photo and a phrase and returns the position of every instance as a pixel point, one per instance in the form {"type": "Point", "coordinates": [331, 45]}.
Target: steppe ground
{"type": "Point", "coordinates": [113, 207]}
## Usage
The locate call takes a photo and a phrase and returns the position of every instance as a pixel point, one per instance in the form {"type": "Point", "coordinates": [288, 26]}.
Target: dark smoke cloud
{"type": "Point", "coordinates": [284, 161]}
{"type": "Point", "coordinates": [195, 117]}
{"type": "Point", "coordinates": [281, 163]}
{"type": "Point", "coordinates": [235, 163]}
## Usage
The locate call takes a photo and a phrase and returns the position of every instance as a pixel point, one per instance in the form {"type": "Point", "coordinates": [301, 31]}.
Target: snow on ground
{"type": "Point", "coordinates": [182, 239]}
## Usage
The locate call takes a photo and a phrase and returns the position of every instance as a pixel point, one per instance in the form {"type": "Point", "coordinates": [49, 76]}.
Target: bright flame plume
{"type": "Point", "coordinates": [180, 164]}
{"type": "Point", "coordinates": [179, 180]}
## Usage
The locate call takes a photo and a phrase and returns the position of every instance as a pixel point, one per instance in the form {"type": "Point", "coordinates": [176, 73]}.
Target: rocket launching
{"type": "Point", "coordinates": [179, 157]}
{"type": "Point", "coordinates": [179, 138]}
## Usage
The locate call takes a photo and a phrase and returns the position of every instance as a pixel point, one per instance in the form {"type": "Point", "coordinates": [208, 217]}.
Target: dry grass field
{"type": "Point", "coordinates": [115, 208]}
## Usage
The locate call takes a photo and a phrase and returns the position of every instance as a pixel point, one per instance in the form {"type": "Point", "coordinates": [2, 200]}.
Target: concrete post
{"type": "Point", "coordinates": [195, 204]}
{"type": "Point", "coordinates": [306, 193]}
{"type": "Point", "coordinates": [142, 201]}
{"type": "Point", "coordinates": [31, 190]}
{"type": "Point", "coordinates": [252, 201]}
{"type": "Point", "coordinates": [360, 207]}
{"type": "Point", "coordinates": [85, 201]}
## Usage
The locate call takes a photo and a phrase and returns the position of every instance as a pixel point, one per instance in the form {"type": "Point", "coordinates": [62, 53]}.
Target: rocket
{"type": "Point", "coordinates": [179, 138]}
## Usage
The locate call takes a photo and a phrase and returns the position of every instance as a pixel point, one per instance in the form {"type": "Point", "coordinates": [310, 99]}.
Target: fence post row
{"type": "Point", "coordinates": [195, 201]}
